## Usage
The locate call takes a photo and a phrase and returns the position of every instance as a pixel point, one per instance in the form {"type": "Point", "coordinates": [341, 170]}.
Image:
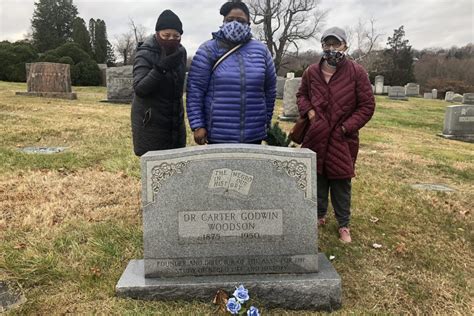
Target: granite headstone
{"type": "Point", "coordinates": [290, 108]}
{"type": "Point", "coordinates": [412, 90]}
{"type": "Point", "coordinates": [468, 98]}
{"type": "Point", "coordinates": [280, 87]}
{"type": "Point", "coordinates": [428, 95]}
{"type": "Point", "coordinates": [449, 96]}
{"type": "Point", "coordinates": [379, 84]}
{"type": "Point", "coordinates": [459, 122]}
{"type": "Point", "coordinates": [50, 80]}
{"type": "Point", "coordinates": [397, 93]}
{"type": "Point", "coordinates": [457, 98]}
{"type": "Point", "coordinates": [214, 217]}
{"type": "Point", "coordinates": [434, 92]}
{"type": "Point", "coordinates": [120, 84]}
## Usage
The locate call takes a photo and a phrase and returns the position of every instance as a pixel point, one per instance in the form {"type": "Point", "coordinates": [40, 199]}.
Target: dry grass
{"type": "Point", "coordinates": [70, 222]}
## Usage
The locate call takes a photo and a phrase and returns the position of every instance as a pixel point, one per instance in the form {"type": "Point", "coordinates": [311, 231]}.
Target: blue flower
{"type": "Point", "coordinates": [253, 311]}
{"type": "Point", "coordinates": [233, 306]}
{"type": "Point", "coordinates": [241, 294]}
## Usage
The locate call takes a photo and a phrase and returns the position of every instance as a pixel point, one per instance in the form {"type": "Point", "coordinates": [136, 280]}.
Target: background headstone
{"type": "Point", "coordinates": [379, 84]}
{"type": "Point", "coordinates": [280, 87]}
{"type": "Point", "coordinates": [397, 93]}
{"type": "Point", "coordinates": [468, 98]}
{"type": "Point", "coordinates": [51, 80]}
{"type": "Point", "coordinates": [449, 96]}
{"type": "Point", "coordinates": [290, 108]}
{"type": "Point", "coordinates": [120, 84]}
{"type": "Point", "coordinates": [290, 75]}
{"type": "Point", "coordinates": [385, 89]}
{"type": "Point", "coordinates": [428, 95]}
{"type": "Point", "coordinates": [373, 88]}
{"type": "Point", "coordinates": [412, 89]}
{"type": "Point", "coordinates": [103, 74]}
{"type": "Point", "coordinates": [234, 226]}
{"type": "Point", "coordinates": [459, 122]}
{"type": "Point", "coordinates": [457, 98]}
{"type": "Point", "coordinates": [434, 92]}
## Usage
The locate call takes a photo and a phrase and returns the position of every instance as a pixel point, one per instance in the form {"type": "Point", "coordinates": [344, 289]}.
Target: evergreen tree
{"type": "Point", "coordinates": [80, 35]}
{"type": "Point", "coordinates": [52, 23]}
{"type": "Point", "coordinates": [102, 49]}
{"type": "Point", "coordinates": [399, 70]}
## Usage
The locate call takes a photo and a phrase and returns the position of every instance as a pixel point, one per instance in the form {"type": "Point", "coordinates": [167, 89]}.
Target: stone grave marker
{"type": "Point", "coordinates": [412, 90]}
{"type": "Point", "coordinates": [459, 122]}
{"type": "Point", "coordinates": [379, 84]}
{"type": "Point", "coordinates": [233, 226]}
{"type": "Point", "coordinates": [457, 98]}
{"type": "Point", "coordinates": [49, 80]}
{"type": "Point", "coordinates": [428, 95]}
{"type": "Point", "coordinates": [385, 89]}
{"type": "Point", "coordinates": [43, 150]}
{"type": "Point", "coordinates": [434, 92]}
{"type": "Point", "coordinates": [290, 75]}
{"type": "Point", "coordinates": [290, 108]}
{"type": "Point", "coordinates": [119, 84]}
{"type": "Point", "coordinates": [373, 88]}
{"type": "Point", "coordinates": [432, 187]}
{"type": "Point", "coordinates": [280, 87]}
{"type": "Point", "coordinates": [449, 96]}
{"type": "Point", "coordinates": [103, 74]}
{"type": "Point", "coordinates": [468, 98]}
{"type": "Point", "coordinates": [10, 298]}
{"type": "Point", "coordinates": [397, 93]}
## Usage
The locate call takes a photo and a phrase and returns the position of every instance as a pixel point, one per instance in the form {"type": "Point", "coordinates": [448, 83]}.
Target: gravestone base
{"type": "Point", "coordinates": [117, 101]}
{"type": "Point", "coordinates": [286, 118]}
{"type": "Point", "coordinates": [462, 138]}
{"type": "Point", "coordinates": [56, 95]}
{"type": "Point", "coordinates": [309, 291]}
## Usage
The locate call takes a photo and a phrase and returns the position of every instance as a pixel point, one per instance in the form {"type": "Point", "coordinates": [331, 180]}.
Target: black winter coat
{"type": "Point", "coordinates": [157, 108]}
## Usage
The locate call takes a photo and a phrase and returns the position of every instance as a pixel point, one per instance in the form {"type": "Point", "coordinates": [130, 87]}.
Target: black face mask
{"type": "Point", "coordinates": [170, 46]}
{"type": "Point", "coordinates": [333, 57]}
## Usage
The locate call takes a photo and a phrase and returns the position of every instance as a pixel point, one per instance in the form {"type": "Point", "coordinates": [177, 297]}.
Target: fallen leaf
{"type": "Point", "coordinates": [20, 246]}
{"type": "Point", "coordinates": [332, 257]}
{"type": "Point", "coordinates": [96, 271]}
{"type": "Point", "coordinates": [221, 299]}
{"type": "Point", "coordinates": [464, 212]}
{"type": "Point", "coordinates": [374, 219]}
{"type": "Point", "coordinates": [401, 248]}
{"type": "Point", "coordinates": [376, 246]}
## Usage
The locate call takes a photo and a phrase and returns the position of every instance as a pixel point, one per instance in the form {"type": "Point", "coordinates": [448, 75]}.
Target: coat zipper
{"type": "Point", "coordinates": [243, 97]}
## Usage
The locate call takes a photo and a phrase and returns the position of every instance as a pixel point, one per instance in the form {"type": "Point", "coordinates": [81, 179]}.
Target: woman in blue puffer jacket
{"type": "Point", "coordinates": [234, 102]}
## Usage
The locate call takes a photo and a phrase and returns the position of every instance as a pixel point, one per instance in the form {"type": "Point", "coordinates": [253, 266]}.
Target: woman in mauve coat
{"type": "Point", "coordinates": [336, 95]}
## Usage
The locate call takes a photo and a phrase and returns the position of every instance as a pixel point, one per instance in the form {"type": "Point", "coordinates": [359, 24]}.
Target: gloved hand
{"type": "Point", "coordinates": [171, 61]}
{"type": "Point", "coordinates": [200, 136]}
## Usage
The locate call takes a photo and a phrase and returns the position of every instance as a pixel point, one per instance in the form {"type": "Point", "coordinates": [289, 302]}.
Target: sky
{"type": "Point", "coordinates": [428, 23]}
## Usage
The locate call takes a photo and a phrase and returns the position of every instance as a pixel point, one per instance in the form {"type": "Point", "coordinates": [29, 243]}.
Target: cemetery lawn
{"type": "Point", "coordinates": [70, 222]}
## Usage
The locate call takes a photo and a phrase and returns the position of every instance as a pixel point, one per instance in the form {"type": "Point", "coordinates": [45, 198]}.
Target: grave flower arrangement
{"type": "Point", "coordinates": [237, 305]}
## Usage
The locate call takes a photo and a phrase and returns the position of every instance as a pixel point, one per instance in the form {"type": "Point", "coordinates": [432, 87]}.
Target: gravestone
{"type": "Point", "coordinates": [412, 90]}
{"type": "Point", "coordinates": [379, 84]}
{"type": "Point", "coordinates": [49, 80]}
{"type": "Point", "coordinates": [459, 122]}
{"type": "Point", "coordinates": [468, 98]}
{"type": "Point", "coordinates": [10, 297]}
{"type": "Point", "coordinates": [432, 187]}
{"type": "Point", "coordinates": [457, 98]}
{"type": "Point", "coordinates": [103, 74]}
{"type": "Point", "coordinates": [428, 95]}
{"type": "Point", "coordinates": [290, 108]}
{"type": "Point", "coordinates": [373, 88]}
{"type": "Point", "coordinates": [280, 87]}
{"type": "Point", "coordinates": [233, 226]}
{"type": "Point", "coordinates": [119, 84]}
{"type": "Point", "coordinates": [385, 89]}
{"type": "Point", "coordinates": [449, 96]}
{"type": "Point", "coordinates": [43, 150]}
{"type": "Point", "coordinates": [397, 93]}
{"type": "Point", "coordinates": [290, 75]}
{"type": "Point", "coordinates": [434, 92]}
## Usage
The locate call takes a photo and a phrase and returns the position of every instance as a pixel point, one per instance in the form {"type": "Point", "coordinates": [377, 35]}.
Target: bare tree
{"type": "Point", "coordinates": [366, 38]}
{"type": "Point", "coordinates": [126, 44]}
{"type": "Point", "coordinates": [282, 24]}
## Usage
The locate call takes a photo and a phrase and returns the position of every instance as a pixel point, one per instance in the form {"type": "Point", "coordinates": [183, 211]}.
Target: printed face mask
{"type": "Point", "coordinates": [170, 46]}
{"type": "Point", "coordinates": [333, 57]}
{"type": "Point", "coordinates": [236, 32]}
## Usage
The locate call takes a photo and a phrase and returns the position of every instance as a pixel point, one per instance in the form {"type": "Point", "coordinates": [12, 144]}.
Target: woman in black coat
{"type": "Point", "coordinates": [158, 80]}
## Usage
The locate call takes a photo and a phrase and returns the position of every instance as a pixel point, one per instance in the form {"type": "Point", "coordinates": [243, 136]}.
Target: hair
{"type": "Point", "coordinates": [234, 4]}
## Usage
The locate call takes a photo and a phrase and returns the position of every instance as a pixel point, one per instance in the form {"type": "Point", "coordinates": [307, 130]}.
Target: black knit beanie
{"type": "Point", "coordinates": [169, 20]}
{"type": "Point", "coordinates": [234, 4]}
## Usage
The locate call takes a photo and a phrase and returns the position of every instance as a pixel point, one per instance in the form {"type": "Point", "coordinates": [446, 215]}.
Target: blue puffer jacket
{"type": "Point", "coordinates": [235, 101]}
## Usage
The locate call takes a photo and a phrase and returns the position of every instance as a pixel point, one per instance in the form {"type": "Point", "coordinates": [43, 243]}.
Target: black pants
{"type": "Point", "coordinates": [340, 198]}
